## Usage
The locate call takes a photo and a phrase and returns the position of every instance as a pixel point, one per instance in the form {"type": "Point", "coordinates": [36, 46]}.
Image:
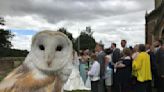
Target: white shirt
{"type": "Point", "coordinates": [94, 72]}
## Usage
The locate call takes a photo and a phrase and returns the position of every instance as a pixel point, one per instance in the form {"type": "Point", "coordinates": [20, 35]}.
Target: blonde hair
{"type": "Point", "coordinates": [136, 48]}
{"type": "Point", "coordinates": [94, 56]}
{"type": "Point", "coordinates": [127, 52]}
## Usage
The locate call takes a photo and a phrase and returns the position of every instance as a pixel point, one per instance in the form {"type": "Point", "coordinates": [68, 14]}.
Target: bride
{"type": "Point", "coordinates": [75, 81]}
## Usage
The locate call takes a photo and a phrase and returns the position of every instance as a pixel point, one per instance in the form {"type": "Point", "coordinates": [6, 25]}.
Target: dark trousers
{"type": "Point", "coordinates": [155, 78]}
{"type": "Point", "coordinates": [161, 85]}
{"type": "Point", "coordinates": [148, 86]}
{"type": "Point", "coordinates": [140, 87]}
{"type": "Point", "coordinates": [115, 86]}
{"type": "Point", "coordinates": [94, 86]}
{"type": "Point", "coordinates": [101, 86]}
{"type": "Point", "coordinates": [108, 89]}
{"type": "Point", "coordinates": [143, 86]}
{"type": "Point", "coordinates": [124, 87]}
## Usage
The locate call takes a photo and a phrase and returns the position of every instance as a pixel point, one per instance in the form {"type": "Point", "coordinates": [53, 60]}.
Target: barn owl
{"type": "Point", "coordinates": [46, 68]}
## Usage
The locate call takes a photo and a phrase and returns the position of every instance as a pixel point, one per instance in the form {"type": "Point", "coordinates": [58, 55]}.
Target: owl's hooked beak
{"type": "Point", "coordinates": [49, 57]}
{"type": "Point", "coordinates": [49, 63]}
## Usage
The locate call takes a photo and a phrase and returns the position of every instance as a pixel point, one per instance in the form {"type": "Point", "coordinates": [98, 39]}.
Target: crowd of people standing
{"type": "Point", "coordinates": [132, 69]}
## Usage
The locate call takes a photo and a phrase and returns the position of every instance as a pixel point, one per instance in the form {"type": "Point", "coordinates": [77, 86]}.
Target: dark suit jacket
{"type": "Point", "coordinates": [160, 61]}
{"type": "Point", "coordinates": [116, 55]}
{"type": "Point", "coordinates": [101, 60]}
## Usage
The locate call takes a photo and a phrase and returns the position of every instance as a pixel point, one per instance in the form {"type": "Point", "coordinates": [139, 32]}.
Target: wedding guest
{"type": "Point", "coordinates": [116, 53]}
{"type": "Point", "coordinates": [157, 45]}
{"type": "Point", "coordinates": [123, 72]}
{"type": "Point", "coordinates": [150, 50]}
{"type": "Point", "coordinates": [160, 67]}
{"type": "Point", "coordinates": [82, 67]}
{"type": "Point", "coordinates": [94, 74]}
{"type": "Point", "coordinates": [100, 57]}
{"type": "Point", "coordinates": [86, 58]}
{"type": "Point", "coordinates": [123, 44]}
{"type": "Point", "coordinates": [115, 58]}
{"type": "Point", "coordinates": [142, 70]}
{"type": "Point", "coordinates": [108, 73]}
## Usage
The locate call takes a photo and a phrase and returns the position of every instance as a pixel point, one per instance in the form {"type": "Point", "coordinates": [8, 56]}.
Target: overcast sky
{"type": "Point", "coordinates": [111, 20]}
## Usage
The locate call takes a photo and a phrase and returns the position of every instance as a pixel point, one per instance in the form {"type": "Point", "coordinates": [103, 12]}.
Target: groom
{"type": "Point", "coordinates": [100, 57]}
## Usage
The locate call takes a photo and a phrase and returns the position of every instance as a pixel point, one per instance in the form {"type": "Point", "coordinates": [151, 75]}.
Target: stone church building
{"type": "Point", "coordinates": [155, 23]}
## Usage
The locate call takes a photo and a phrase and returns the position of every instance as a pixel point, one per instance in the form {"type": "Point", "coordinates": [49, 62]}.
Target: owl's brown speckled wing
{"type": "Point", "coordinates": [22, 80]}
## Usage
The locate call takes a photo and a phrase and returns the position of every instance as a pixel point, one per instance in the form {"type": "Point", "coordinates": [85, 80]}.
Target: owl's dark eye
{"type": "Point", "coordinates": [41, 47]}
{"type": "Point", "coordinates": [59, 48]}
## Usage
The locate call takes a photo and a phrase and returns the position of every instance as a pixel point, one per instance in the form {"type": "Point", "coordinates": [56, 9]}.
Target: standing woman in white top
{"type": "Point", "coordinates": [94, 74]}
{"type": "Point", "coordinates": [108, 73]}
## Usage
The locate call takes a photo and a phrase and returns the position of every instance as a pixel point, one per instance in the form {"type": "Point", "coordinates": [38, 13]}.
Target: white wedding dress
{"type": "Point", "coordinates": [75, 81]}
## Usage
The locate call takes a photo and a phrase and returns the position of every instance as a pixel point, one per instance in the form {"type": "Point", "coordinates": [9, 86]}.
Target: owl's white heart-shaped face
{"type": "Point", "coordinates": [51, 50]}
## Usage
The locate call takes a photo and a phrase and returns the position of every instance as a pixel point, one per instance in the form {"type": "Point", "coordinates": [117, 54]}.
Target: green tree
{"type": "Point", "coordinates": [63, 30]}
{"type": "Point", "coordinates": [85, 40]}
{"type": "Point", "coordinates": [5, 36]}
{"type": "Point", "coordinates": [5, 43]}
{"type": "Point", "coordinates": [2, 21]}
